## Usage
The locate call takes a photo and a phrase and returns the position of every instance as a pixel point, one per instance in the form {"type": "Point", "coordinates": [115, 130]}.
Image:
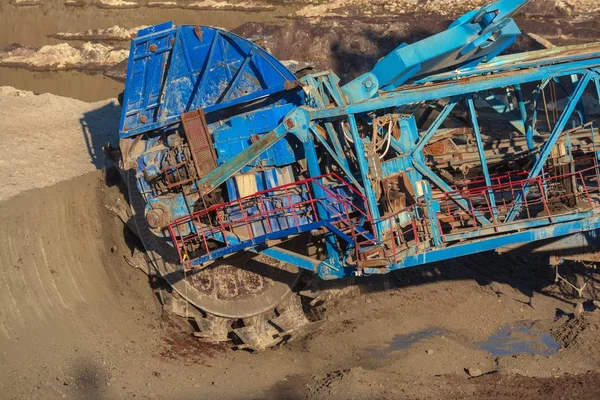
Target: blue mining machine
{"type": "Point", "coordinates": [242, 174]}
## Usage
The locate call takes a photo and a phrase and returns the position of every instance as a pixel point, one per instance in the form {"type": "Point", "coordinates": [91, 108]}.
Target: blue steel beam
{"type": "Point", "coordinates": [580, 105]}
{"type": "Point", "coordinates": [347, 173]}
{"type": "Point", "coordinates": [580, 109]}
{"type": "Point", "coordinates": [331, 133]}
{"type": "Point", "coordinates": [443, 186]}
{"type": "Point", "coordinates": [435, 126]}
{"type": "Point", "coordinates": [482, 159]}
{"type": "Point", "coordinates": [504, 111]}
{"type": "Point", "coordinates": [364, 172]}
{"type": "Point", "coordinates": [488, 244]}
{"type": "Point", "coordinates": [417, 162]}
{"type": "Point", "coordinates": [531, 131]}
{"type": "Point", "coordinates": [523, 112]}
{"type": "Point", "coordinates": [277, 253]}
{"type": "Point", "coordinates": [454, 88]}
{"type": "Point", "coordinates": [432, 208]}
{"type": "Point", "coordinates": [530, 59]}
{"type": "Point", "coordinates": [200, 81]}
{"type": "Point", "coordinates": [225, 171]}
{"type": "Point", "coordinates": [471, 39]}
{"type": "Point", "coordinates": [312, 161]}
{"type": "Point", "coordinates": [256, 241]}
{"type": "Point", "coordinates": [515, 226]}
{"type": "Point", "coordinates": [238, 74]}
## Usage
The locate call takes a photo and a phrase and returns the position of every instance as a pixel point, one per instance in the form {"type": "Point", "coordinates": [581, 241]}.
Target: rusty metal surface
{"type": "Point", "coordinates": [200, 142]}
{"type": "Point", "coordinates": [244, 283]}
{"type": "Point", "coordinates": [442, 147]}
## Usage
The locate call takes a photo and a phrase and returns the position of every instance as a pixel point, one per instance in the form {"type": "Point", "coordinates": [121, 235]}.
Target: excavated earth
{"type": "Point", "coordinates": [78, 319]}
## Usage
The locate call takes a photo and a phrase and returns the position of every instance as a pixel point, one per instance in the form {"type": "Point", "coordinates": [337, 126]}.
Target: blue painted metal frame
{"type": "Point", "coordinates": [176, 75]}
{"type": "Point", "coordinates": [173, 70]}
{"type": "Point", "coordinates": [549, 145]}
{"type": "Point", "coordinates": [482, 158]}
{"type": "Point", "coordinates": [330, 271]}
{"type": "Point", "coordinates": [483, 245]}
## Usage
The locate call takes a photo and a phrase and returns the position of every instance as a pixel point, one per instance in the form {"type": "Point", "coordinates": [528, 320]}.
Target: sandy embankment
{"type": "Point", "coordinates": [47, 139]}
{"type": "Point", "coordinates": [63, 56]}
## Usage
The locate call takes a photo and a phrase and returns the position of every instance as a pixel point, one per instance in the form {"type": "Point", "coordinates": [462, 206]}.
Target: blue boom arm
{"type": "Point", "coordinates": [476, 37]}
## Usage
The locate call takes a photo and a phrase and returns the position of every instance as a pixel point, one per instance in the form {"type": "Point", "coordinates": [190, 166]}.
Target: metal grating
{"type": "Point", "coordinates": [200, 142]}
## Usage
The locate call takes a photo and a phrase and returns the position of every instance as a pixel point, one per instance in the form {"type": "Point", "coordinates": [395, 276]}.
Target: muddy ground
{"type": "Point", "coordinates": [77, 320]}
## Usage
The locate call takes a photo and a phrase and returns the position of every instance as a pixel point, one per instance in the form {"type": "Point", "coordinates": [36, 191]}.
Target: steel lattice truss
{"type": "Point", "coordinates": [443, 149]}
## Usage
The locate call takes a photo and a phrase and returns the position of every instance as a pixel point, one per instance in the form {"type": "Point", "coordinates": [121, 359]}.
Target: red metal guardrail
{"type": "Point", "coordinates": [292, 205]}
{"type": "Point", "coordinates": [547, 198]}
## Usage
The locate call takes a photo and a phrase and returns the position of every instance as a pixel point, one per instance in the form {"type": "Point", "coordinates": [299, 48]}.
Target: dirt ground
{"type": "Point", "coordinates": [58, 134]}
{"type": "Point", "coordinates": [77, 320]}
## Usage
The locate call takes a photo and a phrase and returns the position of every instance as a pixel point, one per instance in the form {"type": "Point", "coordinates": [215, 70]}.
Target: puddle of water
{"type": "Point", "coordinates": [520, 338]}
{"type": "Point", "coordinates": [31, 25]}
{"type": "Point", "coordinates": [403, 342]}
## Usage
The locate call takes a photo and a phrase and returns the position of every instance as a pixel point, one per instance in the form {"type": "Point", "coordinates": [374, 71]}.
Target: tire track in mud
{"type": "Point", "coordinates": [64, 284]}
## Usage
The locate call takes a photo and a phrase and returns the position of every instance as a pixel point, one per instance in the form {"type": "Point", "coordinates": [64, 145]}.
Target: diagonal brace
{"type": "Point", "coordinates": [462, 203]}
{"type": "Point", "coordinates": [518, 122]}
{"type": "Point", "coordinates": [547, 148]}
{"type": "Point", "coordinates": [338, 160]}
{"type": "Point", "coordinates": [225, 171]}
{"type": "Point", "coordinates": [435, 126]}
{"type": "Point", "coordinates": [482, 159]}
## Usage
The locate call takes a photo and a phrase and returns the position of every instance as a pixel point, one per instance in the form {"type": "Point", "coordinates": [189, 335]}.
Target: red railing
{"type": "Point", "coordinates": [402, 236]}
{"type": "Point", "coordinates": [295, 205]}
{"type": "Point", "coordinates": [548, 197]}
{"type": "Point", "coordinates": [267, 212]}
{"type": "Point", "coordinates": [545, 194]}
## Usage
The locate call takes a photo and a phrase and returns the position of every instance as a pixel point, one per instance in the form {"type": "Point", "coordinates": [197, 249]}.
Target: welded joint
{"type": "Point", "coordinates": [297, 122]}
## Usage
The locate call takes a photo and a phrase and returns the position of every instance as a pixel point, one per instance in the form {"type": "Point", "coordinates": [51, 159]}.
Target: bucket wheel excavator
{"type": "Point", "coordinates": [242, 177]}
